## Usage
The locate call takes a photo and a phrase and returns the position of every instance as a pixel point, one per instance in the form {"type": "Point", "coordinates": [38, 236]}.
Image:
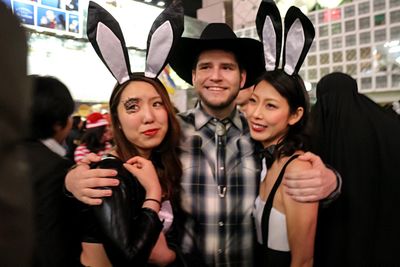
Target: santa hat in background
{"type": "Point", "coordinates": [95, 119]}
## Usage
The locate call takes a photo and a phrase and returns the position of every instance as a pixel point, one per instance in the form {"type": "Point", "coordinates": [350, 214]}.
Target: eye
{"type": "Point", "coordinates": [228, 67]}
{"type": "Point", "coordinates": [158, 104]}
{"type": "Point", "coordinates": [271, 106]}
{"type": "Point", "coordinates": [131, 106]}
{"type": "Point", "coordinates": [203, 67]}
{"type": "Point", "coordinates": [252, 100]}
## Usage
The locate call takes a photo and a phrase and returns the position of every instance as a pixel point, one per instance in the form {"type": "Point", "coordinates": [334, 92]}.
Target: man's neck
{"type": "Point", "coordinates": [219, 113]}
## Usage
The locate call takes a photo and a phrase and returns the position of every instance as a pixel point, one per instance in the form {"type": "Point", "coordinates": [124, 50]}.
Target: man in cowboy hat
{"type": "Point", "coordinates": [221, 166]}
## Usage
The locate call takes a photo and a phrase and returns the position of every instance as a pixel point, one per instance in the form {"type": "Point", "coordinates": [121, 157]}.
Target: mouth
{"type": "Point", "coordinates": [151, 132]}
{"type": "Point", "coordinates": [258, 127]}
{"type": "Point", "coordinates": [215, 88]}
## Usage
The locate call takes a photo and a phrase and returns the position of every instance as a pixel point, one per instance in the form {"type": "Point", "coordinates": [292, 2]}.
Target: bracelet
{"type": "Point", "coordinates": [152, 199]}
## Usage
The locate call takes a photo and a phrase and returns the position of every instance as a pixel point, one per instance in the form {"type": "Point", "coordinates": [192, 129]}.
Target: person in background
{"type": "Point", "coordinates": [96, 138]}
{"type": "Point", "coordinates": [361, 139]}
{"type": "Point", "coordinates": [16, 227]}
{"type": "Point", "coordinates": [243, 98]}
{"type": "Point", "coordinates": [57, 236]}
{"type": "Point", "coordinates": [74, 137]}
{"type": "Point", "coordinates": [107, 116]}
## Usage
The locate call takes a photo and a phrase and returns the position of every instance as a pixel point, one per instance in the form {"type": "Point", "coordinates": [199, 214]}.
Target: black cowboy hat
{"type": "Point", "coordinates": [249, 52]}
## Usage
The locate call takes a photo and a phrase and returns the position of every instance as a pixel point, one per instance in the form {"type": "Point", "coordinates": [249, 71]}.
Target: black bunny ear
{"type": "Point", "coordinates": [105, 35]}
{"type": "Point", "coordinates": [299, 35]}
{"type": "Point", "coordinates": [269, 29]}
{"type": "Point", "coordinates": [164, 33]}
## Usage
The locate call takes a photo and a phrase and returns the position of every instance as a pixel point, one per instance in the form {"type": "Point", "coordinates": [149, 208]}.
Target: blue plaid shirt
{"type": "Point", "coordinates": [223, 230]}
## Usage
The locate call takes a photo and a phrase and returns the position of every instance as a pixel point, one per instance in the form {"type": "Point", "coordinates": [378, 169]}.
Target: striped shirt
{"type": "Point", "coordinates": [81, 151]}
{"type": "Point", "coordinates": [223, 231]}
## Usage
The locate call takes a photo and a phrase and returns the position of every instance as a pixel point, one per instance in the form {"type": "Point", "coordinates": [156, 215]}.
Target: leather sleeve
{"type": "Point", "coordinates": [130, 232]}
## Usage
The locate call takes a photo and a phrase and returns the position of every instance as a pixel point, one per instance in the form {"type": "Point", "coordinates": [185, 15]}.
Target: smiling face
{"type": "Point", "coordinates": [217, 79]}
{"type": "Point", "coordinates": [268, 114]}
{"type": "Point", "coordinates": [142, 116]}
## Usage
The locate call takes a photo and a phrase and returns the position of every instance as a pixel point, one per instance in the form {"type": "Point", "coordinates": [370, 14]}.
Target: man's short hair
{"type": "Point", "coordinates": [52, 105]}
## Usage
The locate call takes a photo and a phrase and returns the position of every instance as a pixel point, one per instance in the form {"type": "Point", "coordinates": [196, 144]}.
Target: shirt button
{"type": "Point", "coordinates": [221, 224]}
{"type": "Point", "coordinates": [219, 251]}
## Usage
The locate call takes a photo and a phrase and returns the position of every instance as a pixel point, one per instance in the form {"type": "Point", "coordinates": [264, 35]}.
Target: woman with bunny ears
{"type": "Point", "coordinates": [135, 225]}
{"type": "Point", "coordinates": [277, 114]}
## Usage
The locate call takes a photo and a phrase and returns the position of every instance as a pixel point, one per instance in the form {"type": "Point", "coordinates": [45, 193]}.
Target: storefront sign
{"type": "Point", "coordinates": [57, 16]}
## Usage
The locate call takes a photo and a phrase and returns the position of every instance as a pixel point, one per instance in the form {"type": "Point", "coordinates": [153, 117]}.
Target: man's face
{"type": "Point", "coordinates": [217, 79]}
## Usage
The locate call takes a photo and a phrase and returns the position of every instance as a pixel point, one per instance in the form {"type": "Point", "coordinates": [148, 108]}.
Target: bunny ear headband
{"type": "Point", "coordinates": [105, 35]}
{"type": "Point", "coordinates": [299, 35]}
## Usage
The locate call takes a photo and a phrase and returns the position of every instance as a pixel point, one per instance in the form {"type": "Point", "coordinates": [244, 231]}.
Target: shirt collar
{"type": "Point", "coordinates": [54, 146]}
{"type": "Point", "coordinates": [201, 118]}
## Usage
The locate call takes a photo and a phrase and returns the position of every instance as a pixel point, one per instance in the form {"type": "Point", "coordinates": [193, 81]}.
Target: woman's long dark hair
{"type": "Point", "coordinates": [292, 88]}
{"type": "Point", "coordinates": [164, 156]}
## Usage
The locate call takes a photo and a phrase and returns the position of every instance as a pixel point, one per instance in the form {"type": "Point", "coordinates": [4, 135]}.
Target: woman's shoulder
{"type": "Point", "coordinates": [297, 164]}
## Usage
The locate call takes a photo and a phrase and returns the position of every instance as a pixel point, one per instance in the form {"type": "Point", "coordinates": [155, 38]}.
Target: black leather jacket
{"type": "Point", "coordinates": [128, 231]}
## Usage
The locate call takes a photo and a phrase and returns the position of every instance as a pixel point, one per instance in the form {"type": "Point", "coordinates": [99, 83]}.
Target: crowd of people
{"type": "Point", "coordinates": [250, 176]}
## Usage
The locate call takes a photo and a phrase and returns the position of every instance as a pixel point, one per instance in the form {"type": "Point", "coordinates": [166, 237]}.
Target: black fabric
{"type": "Point", "coordinates": [267, 256]}
{"type": "Point", "coordinates": [98, 14]}
{"type": "Point", "coordinates": [173, 14]}
{"type": "Point", "coordinates": [269, 154]}
{"type": "Point", "coordinates": [270, 10]}
{"type": "Point", "coordinates": [362, 142]}
{"type": "Point", "coordinates": [16, 225]}
{"type": "Point", "coordinates": [293, 15]}
{"type": "Point", "coordinates": [249, 52]}
{"type": "Point", "coordinates": [127, 231]}
{"type": "Point", "coordinates": [56, 217]}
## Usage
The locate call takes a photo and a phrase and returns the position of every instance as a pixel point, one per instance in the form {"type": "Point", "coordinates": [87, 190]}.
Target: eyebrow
{"type": "Point", "coordinates": [225, 64]}
{"type": "Point", "coordinates": [131, 99]}
{"type": "Point", "coordinates": [138, 99]}
{"type": "Point", "coordinates": [200, 64]}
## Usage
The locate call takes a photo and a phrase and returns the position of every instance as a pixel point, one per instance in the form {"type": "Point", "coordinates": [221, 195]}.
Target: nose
{"type": "Point", "coordinates": [257, 112]}
{"type": "Point", "coordinates": [148, 114]}
{"type": "Point", "coordinates": [215, 74]}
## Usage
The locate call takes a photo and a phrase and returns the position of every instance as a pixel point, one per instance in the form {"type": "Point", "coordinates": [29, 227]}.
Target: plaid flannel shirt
{"type": "Point", "coordinates": [224, 229]}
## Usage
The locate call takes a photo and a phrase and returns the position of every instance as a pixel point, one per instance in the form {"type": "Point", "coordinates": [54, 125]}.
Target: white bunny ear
{"type": "Point", "coordinates": [105, 35]}
{"type": "Point", "coordinates": [269, 29]}
{"type": "Point", "coordinates": [164, 33]}
{"type": "Point", "coordinates": [299, 35]}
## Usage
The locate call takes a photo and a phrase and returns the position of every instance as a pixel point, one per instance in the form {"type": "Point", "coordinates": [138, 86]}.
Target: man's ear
{"type": "Point", "coordinates": [296, 116]}
{"type": "Point", "coordinates": [57, 127]}
{"type": "Point", "coordinates": [193, 75]}
{"type": "Point", "coordinates": [243, 75]}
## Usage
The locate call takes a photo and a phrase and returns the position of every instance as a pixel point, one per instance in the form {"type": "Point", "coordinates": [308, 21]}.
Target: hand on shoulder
{"type": "Point", "coordinates": [308, 179]}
